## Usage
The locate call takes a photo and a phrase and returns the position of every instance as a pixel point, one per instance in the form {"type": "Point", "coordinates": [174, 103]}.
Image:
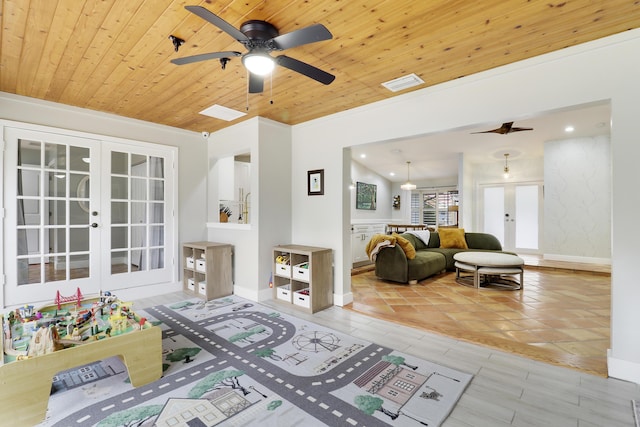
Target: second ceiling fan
{"type": "Point", "coordinates": [260, 38]}
{"type": "Point", "coordinates": [505, 129]}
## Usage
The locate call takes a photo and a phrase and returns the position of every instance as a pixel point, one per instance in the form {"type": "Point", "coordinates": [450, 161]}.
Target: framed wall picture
{"type": "Point", "coordinates": [366, 196]}
{"type": "Point", "coordinates": [315, 182]}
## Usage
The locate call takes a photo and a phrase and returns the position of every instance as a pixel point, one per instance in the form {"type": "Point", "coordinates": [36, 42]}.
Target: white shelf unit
{"type": "Point", "coordinates": [207, 269]}
{"type": "Point", "coordinates": [309, 289]}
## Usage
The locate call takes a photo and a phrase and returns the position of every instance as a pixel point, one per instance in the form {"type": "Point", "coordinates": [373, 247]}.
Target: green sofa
{"type": "Point", "coordinates": [392, 264]}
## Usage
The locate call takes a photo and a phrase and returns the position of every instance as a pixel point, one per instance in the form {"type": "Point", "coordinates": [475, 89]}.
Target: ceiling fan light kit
{"type": "Point", "coordinates": [260, 38]}
{"type": "Point", "coordinates": [258, 63]}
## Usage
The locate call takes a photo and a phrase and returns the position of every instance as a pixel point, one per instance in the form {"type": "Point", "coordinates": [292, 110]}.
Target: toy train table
{"type": "Point", "coordinates": [37, 344]}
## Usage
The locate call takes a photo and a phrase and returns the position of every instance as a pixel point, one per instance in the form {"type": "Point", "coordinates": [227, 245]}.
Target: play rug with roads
{"type": "Point", "coordinates": [234, 362]}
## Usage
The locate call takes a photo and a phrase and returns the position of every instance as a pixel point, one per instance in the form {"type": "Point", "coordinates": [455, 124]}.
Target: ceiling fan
{"type": "Point", "coordinates": [260, 38]}
{"type": "Point", "coordinates": [505, 129]}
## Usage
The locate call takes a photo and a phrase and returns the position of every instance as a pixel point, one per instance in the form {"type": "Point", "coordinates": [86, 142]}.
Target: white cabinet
{"type": "Point", "coordinates": [360, 236]}
{"type": "Point", "coordinates": [302, 276]}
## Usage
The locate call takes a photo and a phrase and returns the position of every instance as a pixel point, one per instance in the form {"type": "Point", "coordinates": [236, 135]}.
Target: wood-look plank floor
{"type": "Point", "coordinates": [561, 316]}
{"type": "Point", "coordinates": [507, 390]}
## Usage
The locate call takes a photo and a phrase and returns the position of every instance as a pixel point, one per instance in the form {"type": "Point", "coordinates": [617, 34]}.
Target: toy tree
{"type": "Point", "coordinates": [397, 360]}
{"type": "Point", "coordinates": [369, 404]}
{"type": "Point", "coordinates": [217, 381]}
{"type": "Point", "coordinates": [131, 417]}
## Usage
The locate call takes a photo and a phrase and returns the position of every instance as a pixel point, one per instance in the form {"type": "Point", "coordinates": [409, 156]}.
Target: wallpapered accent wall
{"type": "Point", "coordinates": [577, 177]}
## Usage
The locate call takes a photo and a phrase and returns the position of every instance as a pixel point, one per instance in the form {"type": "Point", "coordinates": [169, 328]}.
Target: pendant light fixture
{"type": "Point", "coordinates": [408, 186]}
{"type": "Point", "coordinates": [506, 166]}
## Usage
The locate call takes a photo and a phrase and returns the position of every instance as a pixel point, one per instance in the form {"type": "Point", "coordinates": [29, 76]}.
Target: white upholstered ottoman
{"type": "Point", "coordinates": [493, 266]}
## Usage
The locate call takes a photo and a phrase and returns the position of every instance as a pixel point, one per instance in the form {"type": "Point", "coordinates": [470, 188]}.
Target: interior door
{"type": "Point", "coordinates": [50, 245]}
{"type": "Point", "coordinates": [513, 213]}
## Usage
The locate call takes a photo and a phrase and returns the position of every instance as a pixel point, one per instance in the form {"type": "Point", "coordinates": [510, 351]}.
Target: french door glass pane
{"type": "Point", "coordinates": [119, 212]}
{"type": "Point", "coordinates": [79, 159]}
{"type": "Point", "coordinates": [119, 262]}
{"type": "Point", "coordinates": [119, 187]}
{"type": "Point", "coordinates": [55, 156]}
{"type": "Point", "coordinates": [81, 261]}
{"type": "Point", "coordinates": [119, 163]}
{"type": "Point", "coordinates": [57, 240]}
{"type": "Point", "coordinates": [57, 184]}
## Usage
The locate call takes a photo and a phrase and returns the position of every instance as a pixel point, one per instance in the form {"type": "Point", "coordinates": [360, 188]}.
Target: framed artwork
{"type": "Point", "coordinates": [366, 196]}
{"type": "Point", "coordinates": [315, 182]}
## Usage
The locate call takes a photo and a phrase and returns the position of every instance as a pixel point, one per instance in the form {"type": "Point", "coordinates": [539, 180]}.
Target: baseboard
{"type": "Point", "coordinates": [342, 300]}
{"type": "Point", "coordinates": [623, 369]}
{"type": "Point", "coordinates": [147, 291]}
{"type": "Point", "coordinates": [252, 294]}
{"type": "Point", "coordinates": [580, 259]}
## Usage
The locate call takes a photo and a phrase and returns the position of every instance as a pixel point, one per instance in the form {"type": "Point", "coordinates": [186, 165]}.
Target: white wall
{"type": "Point", "coordinates": [270, 201]}
{"type": "Point", "coordinates": [382, 213]}
{"type": "Point", "coordinates": [577, 178]}
{"type": "Point", "coordinates": [600, 70]}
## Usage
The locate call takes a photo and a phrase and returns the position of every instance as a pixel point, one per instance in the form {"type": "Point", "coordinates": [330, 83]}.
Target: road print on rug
{"type": "Point", "coordinates": [235, 362]}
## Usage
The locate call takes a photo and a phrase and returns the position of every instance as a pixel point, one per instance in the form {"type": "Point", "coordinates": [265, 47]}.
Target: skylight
{"type": "Point", "coordinates": [223, 113]}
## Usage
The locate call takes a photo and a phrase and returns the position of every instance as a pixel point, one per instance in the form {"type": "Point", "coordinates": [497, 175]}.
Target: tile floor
{"type": "Point", "coordinates": [561, 316]}
{"type": "Point", "coordinates": [507, 390]}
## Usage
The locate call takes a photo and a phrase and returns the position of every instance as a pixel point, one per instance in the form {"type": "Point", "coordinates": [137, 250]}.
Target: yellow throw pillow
{"type": "Point", "coordinates": [452, 238]}
{"type": "Point", "coordinates": [406, 246]}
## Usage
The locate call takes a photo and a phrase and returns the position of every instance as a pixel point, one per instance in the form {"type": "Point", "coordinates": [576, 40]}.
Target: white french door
{"type": "Point", "coordinates": [513, 213]}
{"type": "Point", "coordinates": [85, 214]}
{"type": "Point", "coordinates": [138, 191]}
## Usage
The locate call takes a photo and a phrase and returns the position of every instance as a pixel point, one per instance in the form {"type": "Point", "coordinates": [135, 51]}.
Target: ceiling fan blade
{"type": "Point", "coordinates": [311, 34]}
{"type": "Point", "coordinates": [204, 57]}
{"type": "Point", "coordinates": [499, 130]}
{"type": "Point", "coordinates": [305, 69]}
{"type": "Point", "coordinates": [256, 83]}
{"type": "Point", "coordinates": [520, 129]}
{"type": "Point", "coordinates": [218, 22]}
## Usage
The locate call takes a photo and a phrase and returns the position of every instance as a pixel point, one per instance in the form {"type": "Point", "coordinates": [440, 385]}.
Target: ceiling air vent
{"type": "Point", "coordinates": [223, 113]}
{"type": "Point", "coordinates": [402, 83]}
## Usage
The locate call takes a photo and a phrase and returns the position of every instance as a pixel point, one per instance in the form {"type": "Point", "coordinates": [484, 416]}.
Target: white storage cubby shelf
{"type": "Point", "coordinates": [302, 276]}
{"type": "Point", "coordinates": [207, 269]}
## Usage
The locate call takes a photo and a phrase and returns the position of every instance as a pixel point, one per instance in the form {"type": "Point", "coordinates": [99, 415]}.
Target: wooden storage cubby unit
{"type": "Point", "coordinates": [207, 269]}
{"type": "Point", "coordinates": [310, 288]}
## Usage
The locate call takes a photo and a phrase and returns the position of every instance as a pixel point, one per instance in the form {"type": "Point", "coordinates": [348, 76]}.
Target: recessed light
{"type": "Point", "coordinates": [569, 129]}
{"type": "Point", "coordinates": [362, 156]}
{"type": "Point", "coordinates": [392, 174]}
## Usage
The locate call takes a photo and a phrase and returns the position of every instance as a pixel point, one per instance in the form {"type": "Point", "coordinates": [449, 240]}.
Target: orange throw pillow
{"type": "Point", "coordinates": [406, 246]}
{"type": "Point", "coordinates": [452, 238]}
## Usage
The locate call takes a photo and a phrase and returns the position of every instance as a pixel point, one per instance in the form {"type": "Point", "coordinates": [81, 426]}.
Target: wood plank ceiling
{"type": "Point", "coordinates": [113, 55]}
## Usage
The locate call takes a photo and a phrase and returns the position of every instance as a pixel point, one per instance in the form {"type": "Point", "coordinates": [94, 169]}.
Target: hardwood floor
{"type": "Point", "coordinates": [561, 316]}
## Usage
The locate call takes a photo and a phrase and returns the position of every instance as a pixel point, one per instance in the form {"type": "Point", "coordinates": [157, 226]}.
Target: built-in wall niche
{"type": "Point", "coordinates": [234, 188]}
